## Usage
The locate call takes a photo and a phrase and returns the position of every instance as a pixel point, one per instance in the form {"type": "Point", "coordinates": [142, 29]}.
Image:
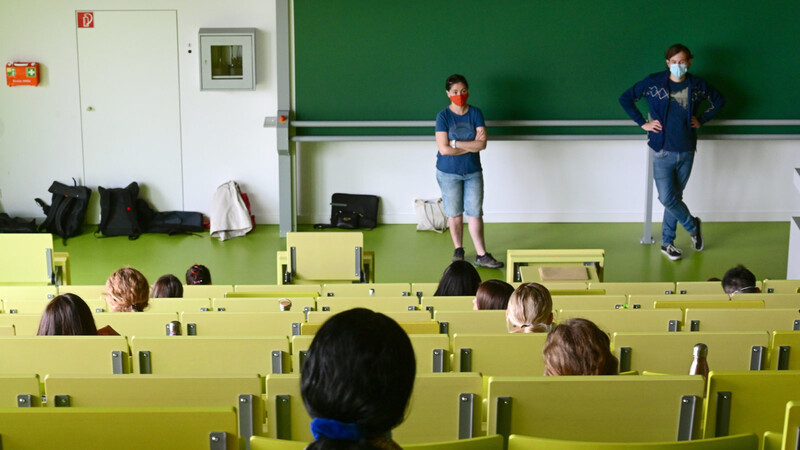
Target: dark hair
{"type": "Point", "coordinates": [455, 79]}
{"type": "Point", "coordinates": [677, 48]}
{"type": "Point", "coordinates": [198, 274]}
{"type": "Point", "coordinates": [459, 278]}
{"type": "Point", "coordinates": [578, 347]}
{"type": "Point", "coordinates": [360, 370]}
{"type": "Point", "coordinates": [739, 280]}
{"type": "Point", "coordinates": [167, 286]}
{"type": "Point", "coordinates": [493, 294]}
{"type": "Point", "coordinates": [67, 315]}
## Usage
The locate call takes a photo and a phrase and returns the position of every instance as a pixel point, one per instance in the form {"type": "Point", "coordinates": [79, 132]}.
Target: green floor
{"type": "Point", "coordinates": [404, 255]}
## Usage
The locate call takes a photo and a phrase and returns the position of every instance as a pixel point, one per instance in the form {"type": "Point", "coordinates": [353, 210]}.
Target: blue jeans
{"type": "Point", "coordinates": [461, 193]}
{"type": "Point", "coordinates": [671, 172]}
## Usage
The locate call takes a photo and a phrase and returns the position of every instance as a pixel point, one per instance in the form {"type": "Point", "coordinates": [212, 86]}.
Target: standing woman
{"type": "Point", "coordinates": [674, 98]}
{"type": "Point", "coordinates": [460, 136]}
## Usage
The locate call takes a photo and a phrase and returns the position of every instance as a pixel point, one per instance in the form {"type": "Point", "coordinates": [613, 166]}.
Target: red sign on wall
{"type": "Point", "coordinates": [85, 19]}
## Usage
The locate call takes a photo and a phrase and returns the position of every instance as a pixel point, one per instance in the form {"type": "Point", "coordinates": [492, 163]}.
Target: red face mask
{"type": "Point", "coordinates": [460, 99]}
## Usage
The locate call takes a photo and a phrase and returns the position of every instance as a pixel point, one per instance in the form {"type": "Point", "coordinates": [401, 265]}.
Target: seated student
{"type": "Point", "coordinates": [578, 347]}
{"type": "Point", "coordinates": [127, 290]}
{"type": "Point", "coordinates": [198, 274]}
{"type": "Point", "coordinates": [530, 309]}
{"type": "Point", "coordinates": [739, 280]}
{"type": "Point", "coordinates": [459, 278]}
{"type": "Point", "coordinates": [492, 294]}
{"type": "Point", "coordinates": [356, 381]}
{"type": "Point", "coordinates": [167, 286]}
{"type": "Point", "coordinates": [67, 315]}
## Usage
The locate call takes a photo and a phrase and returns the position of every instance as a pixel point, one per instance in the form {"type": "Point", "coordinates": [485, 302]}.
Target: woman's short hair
{"type": "Point", "coordinates": [459, 279]}
{"type": "Point", "coordinates": [127, 290]}
{"type": "Point", "coordinates": [578, 347]}
{"type": "Point", "coordinates": [677, 48]}
{"type": "Point", "coordinates": [167, 286]}
{"type": "Point", "coordinates": [67, 315]}
{"type": "Point", "coordinates": [493, 294]}
{"type": "Point", "coordinates": [530, 308]}
{"type": "Point", "coordinates": [198, 274]}
{"type": "Point", "coordinates": [359, 370]}
{"type": "Point", "coordinates": [455, 79]}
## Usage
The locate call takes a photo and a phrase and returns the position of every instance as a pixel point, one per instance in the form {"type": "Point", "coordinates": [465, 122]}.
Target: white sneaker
{"type": "Point", "coordinates": [672, 252]}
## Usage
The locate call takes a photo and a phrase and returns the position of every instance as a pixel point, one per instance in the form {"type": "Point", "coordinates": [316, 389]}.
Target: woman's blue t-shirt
{"type": "Point", "coordinates": [460, 128]}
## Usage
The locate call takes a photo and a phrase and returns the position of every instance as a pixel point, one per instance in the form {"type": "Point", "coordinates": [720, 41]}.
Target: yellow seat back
{"type": "Point", "coordinates": [509, 354]}
{"type": "Point", "coordinates": [24, 324]}
{"type": "Point", "coordinates": [424, 289]}
{"type": "Point", "coordinates": [378, 304]}
{"type": "Point", "coordinates": [668, 352]}
{"type": "Point", "coordinates": [591, 408]}
{"type": "Point", "coordinates": [20, 390]}
{"type": "Point", "coordinates": [781, 286]}
{"type": "Point", "coordinates": [224, 323]}
{"type": "Point", "coordinates": [43, 355]}
{"type": "Point", "coordinates": [747, 441]}
{"type": "Point", "coordinates": [325, 256]}
{"type": "Point", "coordinates": [791, 426]}
{"type": "Point", "coordinates": [27, 259]}
{"type": "Point", "coordinates": [265, 443]}
{"type": "Point", "coordinates": [179, 428]}
{"type": "Point", "coordinates": [27, 292]}
{"type": "Point", "coordinates": [206, 290]}
{"type": "Point", "coordinates": [760, 319]}
{"type": "Point", "coordinates": [262, 304]}
{"type": "Point", "coordinates": [136, 323]}
{"type": "Point", "coordinates": [479, 443]}
{"type": "Point", "coordinates": [472, 322]}
{"type": "Point", "coordinates": [784, 351]}
{"type": "Point", "coordinates": [636, 288]}
{"type": "Point", "coordinates": [367, 290]}
{"type": "Point", "coordinates": [621, 320]}
{"type": "Point", "coordinates": [198, 355]}
{"type": "Point", "coordinates": [583, 302]}
{"type": "Point", "coordinates": [754, 401]}
{"type": "Point", "coordinates": [456, 303]}
{"type": "Point", "coordinates": [287, 290]}
{"type": "Point", "coordinates": [87, 292]}
{"type": "Point", "coordinates": [178, 305]}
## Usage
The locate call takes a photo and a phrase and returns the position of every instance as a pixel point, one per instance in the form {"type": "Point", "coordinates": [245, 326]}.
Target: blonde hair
{"type": "Point", "coordinates": [127, 290]}
{"type": "Point", "coordinates": [529, 309]}
{"type": "Point", "coordinates": [578, 347]}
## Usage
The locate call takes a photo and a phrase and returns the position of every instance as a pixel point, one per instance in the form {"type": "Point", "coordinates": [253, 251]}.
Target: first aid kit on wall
{"type": "Point", "coordinates": [22, 74]}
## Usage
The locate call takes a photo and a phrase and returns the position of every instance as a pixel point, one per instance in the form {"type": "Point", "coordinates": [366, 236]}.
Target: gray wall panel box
{"type": "Point", "coordinates": [227, 58]}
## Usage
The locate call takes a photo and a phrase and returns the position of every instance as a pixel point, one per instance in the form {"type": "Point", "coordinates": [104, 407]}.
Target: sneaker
{"type": "Point", "coordinates": [489, 262]}
{"type": "Point", "coordinates": [458, 255]}
{"type": "Point", "coordinates": [672, 252]}
{"type": "Point", "coordinates": [697, 239]}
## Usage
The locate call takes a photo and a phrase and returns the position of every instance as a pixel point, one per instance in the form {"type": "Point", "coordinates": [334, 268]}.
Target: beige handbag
{"type": "Point", "coordinates": [430, 215]}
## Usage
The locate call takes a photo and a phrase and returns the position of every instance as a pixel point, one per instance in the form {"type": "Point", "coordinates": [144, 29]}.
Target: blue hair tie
{"type": "Point", "coordinates": [333, 429]}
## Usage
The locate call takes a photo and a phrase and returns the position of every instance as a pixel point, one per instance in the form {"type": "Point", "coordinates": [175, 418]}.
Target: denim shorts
{"type": "Point", "coordinates": [461, 193]}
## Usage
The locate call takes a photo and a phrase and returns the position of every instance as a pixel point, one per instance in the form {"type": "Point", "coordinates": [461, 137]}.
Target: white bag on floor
{"type": "Point", "coordinates": [229, 216]}
{"type": "Point", "coordinates": [430, 215]}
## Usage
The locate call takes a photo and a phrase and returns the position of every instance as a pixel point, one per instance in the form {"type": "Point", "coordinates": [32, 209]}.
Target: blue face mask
{"type": "Point", "coordinates": [678, 70]}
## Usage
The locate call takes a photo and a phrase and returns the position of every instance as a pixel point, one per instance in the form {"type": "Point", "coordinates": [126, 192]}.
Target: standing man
{"type": "Point", "coordinates": [674, 98]}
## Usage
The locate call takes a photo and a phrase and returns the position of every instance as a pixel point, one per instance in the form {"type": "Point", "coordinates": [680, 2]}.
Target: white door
{"type": "Point", "coordinates": [130, 108]}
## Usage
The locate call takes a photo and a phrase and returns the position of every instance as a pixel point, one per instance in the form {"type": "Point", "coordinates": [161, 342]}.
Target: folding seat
{"type": "Point", "coordinates": [747, 441]}
{"type": "Point", "coordinates": [472, 322]}
{"type": "Point", "coordinates": [22, 355]}
{"type": "Point", "coordinates": [27, 292]}
{"type": "Point", "coordinates": [27, 260]}
{"type": "Point", "coordinates": [610, 301]}
{"type": "Point", "coordinates": [86, 292]}
{"type": "Point", "coordinates": [636, 288]}
{"type": "Point", "coordinates": [206, 290]}
{"type": "Point", "coordinates": [457, 303]}
{"type": "Point", "coordinates": [668, 352]}
{"type": "Point", "coordinates": [621, 320]}
{"type": "Point", "coordinates": [378, 304]}
{"type": "Point", "coordinates": [317, 258]}
{"type": "Point", "coordinates": [781, 286]}
{"type": "Point", "coordinates": [748, 402]}
{"type": "Point", "coordinates": [772, 300]}
{"type": "Point", "coordinates": [424, 289]}
{"type": "Point", "coordinates": [263, 304]}
{"type": "Point", "coordinates": [399, 316]}
{"type": "Point", "coordinates": [20, 391]}
{"type": "Point", "coordinates": [224, 323]}
{"type": "Point", "coordinates": [367, 290]}
{"type": "Point", "coordinates": [25, 306]}
{"type": "Point", "coordinates": [702, 287]}
{"type": "Point", "coordinates": [509, 354]}
{"type": "Point", "coordinates": [790, 437]}
{"type": "Point", "coordinates": [443, 407]}
{"type": "Point", "coordinates": [136, 323]}
{"type": "Point", "coordinates": [134, 428]}
{"type": "Point", "coordinates": [784, 351]}
{"type": "Point", "coordinates": [759, 319]}
{"type": "Point", "coordinates": [597, 408]}
{"type": "Point", "coordinates": [24, 324]}
{"type": "Point", "coordinates": [199, 355]}
{"type": "Point", "coordinates": [178, 305]}
{"type": "Point", "coordinates": [242, 392]}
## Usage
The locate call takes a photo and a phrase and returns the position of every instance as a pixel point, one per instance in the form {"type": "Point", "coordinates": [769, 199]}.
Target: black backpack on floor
{"type": "Point", "coordinates": [67, 211]}
{"type": "Point", "coordinates": [10, 224]}
{"type": "Point", "coordinates": [119, 213]}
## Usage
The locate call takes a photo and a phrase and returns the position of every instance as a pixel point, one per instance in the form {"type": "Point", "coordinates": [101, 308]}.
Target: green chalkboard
{"type": "Point", "coordinates": [537, 59]}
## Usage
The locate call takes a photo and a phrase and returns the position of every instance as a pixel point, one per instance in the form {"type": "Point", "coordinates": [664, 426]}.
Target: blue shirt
{"type": "Point", "coordinates": [460, 128]}
{"type": "Point", "coordinates": [678, 133]}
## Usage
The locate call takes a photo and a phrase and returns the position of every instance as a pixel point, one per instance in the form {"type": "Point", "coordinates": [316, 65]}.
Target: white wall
{"type": "Point", "coordinates": [222, 134]}
{"type": "Point", "coordinates": [223, 138]}
{"type": "Point", "coordinates": [556, 181]}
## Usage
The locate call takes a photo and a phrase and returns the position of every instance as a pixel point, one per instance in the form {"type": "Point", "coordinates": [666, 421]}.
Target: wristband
{"type": "Point", "coordinates": [453, 143]}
